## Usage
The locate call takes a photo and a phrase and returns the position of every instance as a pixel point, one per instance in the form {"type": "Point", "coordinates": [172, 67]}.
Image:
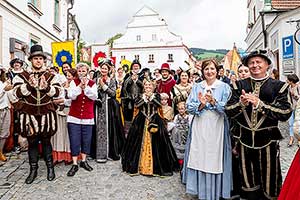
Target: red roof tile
{"type": "Point", "coordinates": [285, 4]}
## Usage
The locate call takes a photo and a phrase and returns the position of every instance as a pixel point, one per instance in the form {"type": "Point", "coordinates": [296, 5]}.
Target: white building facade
{"type": "Point", "coordinates": [148, 39]}
{"type": "Point", "coordinates": [27, 22]}
{"type": "Point", "coordinates": [270, 27]}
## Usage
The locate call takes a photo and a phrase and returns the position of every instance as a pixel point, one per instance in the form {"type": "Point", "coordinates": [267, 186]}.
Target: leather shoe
{"type": "Point", "coordinates": [73, 170]}
{"type": "Point", "coordinates": [86, 166]}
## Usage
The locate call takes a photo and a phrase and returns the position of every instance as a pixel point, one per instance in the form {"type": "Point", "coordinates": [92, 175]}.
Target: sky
{"type": "Point", "coordinates": [210, 24]}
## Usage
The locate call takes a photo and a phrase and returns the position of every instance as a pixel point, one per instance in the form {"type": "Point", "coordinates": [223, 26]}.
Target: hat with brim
{"type": "Point", "coordinates": [135, 62]}
{"type": "Point", "coordinates": [36, 50]}
{"type": "Point", "coordinates": [15, 60]}
{"type": "Point", "coordinates": [165, 66]}
{"type": "Point", "coordinates": [257, 53]}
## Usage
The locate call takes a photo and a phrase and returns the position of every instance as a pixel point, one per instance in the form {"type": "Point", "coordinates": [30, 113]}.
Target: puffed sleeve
{"type": "Point", "coordinates": [193, 103]}
{"type": "Point", "coordinates": [221, 102]}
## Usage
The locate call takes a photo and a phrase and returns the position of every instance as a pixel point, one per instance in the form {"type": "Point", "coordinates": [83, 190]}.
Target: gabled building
{"type": "Point", "coordinates": [27, 22]}
{"type": "Point", "coordinates": [148, 39]}
{"type": "Point", "coordinates": [270, 26]}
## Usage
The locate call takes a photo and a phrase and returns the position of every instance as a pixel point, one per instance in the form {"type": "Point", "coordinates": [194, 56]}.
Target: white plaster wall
{"type": "Point", "coordinates": [19, 26]}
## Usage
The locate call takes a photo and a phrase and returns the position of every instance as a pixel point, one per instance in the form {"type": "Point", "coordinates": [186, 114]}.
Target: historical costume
{"type": "Point", "coordinates": [131, 89]}
{"type": "Point", "coordinates": [16, 67]}
{"type": "Point", "coordinates": [180, 93]}
{"type": "Point", "coordinates": [60, 141]}
{"type": "Point", "coordinates": [5, 117]}
{"type": "Point", "coordinates": [109, 134]}
{"type": "Point", "coordinates": [167, 82]}
{"type": "Point", "coordinates": [180, 132]}
{"type": "Point", "coordinates": [83, 93]}
{"type": "Point", "coordinates": [148, 149]}
{"type": "Point", "coordinates": [256, 105]}
{"type": "Point", "coordinates": [168, 112]}
{"type": "Point", "coordinates": [207, 161]}
{"type": "Point", "coordinates": [35, 92]}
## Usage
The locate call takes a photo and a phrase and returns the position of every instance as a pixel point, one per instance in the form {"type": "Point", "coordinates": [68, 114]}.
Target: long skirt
{"type": "Point", "coordinates": [60, 141]}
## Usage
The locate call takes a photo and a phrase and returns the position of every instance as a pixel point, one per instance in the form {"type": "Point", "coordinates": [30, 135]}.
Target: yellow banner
{"type": "Point", "coordinates": [63, 52]}
{"type": "Point", "coordinates": [236, 61]}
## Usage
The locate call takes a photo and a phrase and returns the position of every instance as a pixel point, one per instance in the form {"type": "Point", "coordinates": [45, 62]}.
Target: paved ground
{"type": "Point", "coordinates": [105, 182]}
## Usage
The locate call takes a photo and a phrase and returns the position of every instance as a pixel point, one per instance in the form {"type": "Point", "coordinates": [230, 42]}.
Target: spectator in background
{"type": "Point", "coordinates": [167, 82]}
{"type": "Point", "coordinates": [222, 76]}
{"type": "Point", "coordinates": [294, 94]}
{"type": "Point", "coordinates": [5, 86]}
{"type": "Point", "coordinates": [275, 74]}
{"type": "Point", "coordinates": [243, 72]}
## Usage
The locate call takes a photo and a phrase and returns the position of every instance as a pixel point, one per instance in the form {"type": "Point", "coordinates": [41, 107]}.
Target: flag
{"type": "Point", "coordinates": [236, 60]}
{"type": "Point", "coordinates": [63, 52]}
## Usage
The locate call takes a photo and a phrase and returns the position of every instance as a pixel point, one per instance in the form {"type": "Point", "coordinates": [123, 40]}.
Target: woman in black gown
{"type": "Point", "coordinates": [148, 149]}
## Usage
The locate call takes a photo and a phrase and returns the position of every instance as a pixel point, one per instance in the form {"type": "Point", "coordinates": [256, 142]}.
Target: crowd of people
{"type": "Point", "coordinates": [219, 131]}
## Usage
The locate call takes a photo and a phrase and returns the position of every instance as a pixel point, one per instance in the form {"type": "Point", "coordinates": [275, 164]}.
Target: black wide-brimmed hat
{"type": "Point", "coordinates": [135, 62]}
{"type": "Point", "coordinates": [257, 53]}
{"type": "Point", "coordinates": [36, 50]}
{"type": "Point", "coordinates": [15, 60]}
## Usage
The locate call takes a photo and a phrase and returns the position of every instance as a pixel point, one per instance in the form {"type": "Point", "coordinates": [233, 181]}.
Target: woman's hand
{"type": "Point", "coordinates": [209, 98]}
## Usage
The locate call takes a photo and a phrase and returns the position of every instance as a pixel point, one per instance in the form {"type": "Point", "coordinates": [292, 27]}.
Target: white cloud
{"type": "Point", "coordinates": [207, 24]}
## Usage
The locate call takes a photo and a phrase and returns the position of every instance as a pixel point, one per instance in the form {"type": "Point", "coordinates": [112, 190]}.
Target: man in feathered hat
{"type": "Point", "coordinates": [35, 92]}
{"type": "Point", "coordinates": [167, 82]}
{"type": "Point", "coordinates": [131, 89]}
{"type": "Point", "coordinates": [256, 106]}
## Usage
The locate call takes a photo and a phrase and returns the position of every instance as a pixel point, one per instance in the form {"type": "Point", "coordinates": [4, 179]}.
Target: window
{"type": "Point", "coordinates": [35, 3]}
{"type": "Point", "coordinates": [170, 58]}
{"type": "Point", "coordinates": [122, 57]}
{"type": "Point", "coordinates": [137, 57]}
{"type": "Point", "coordinates": [154, 38]}
{"type": "Point", "coordinates": [151, 58]}
{"type": "Point", "coordinates": [138, 38]}
{"type": "Point", "coordinates": [34, 40]}
{"type": "Point", "coordinates": [35, 7]}
{"type": "Point", "coordinates": [56, 12]}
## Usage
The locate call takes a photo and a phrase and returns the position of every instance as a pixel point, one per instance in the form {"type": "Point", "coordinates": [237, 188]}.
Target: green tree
{"type": "Point", "coordinates": [111, 40]}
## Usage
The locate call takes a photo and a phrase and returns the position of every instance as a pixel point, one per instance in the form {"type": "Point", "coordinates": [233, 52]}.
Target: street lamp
{"type": "Point", "coordinates": [297, 31]}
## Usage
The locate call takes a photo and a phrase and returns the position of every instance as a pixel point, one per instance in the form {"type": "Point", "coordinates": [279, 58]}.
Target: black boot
{"type": "Point", "coordinates": [32, 174]}
{"type": "Point", "coordinates": [50, 169]}
{"type": "Point", "coordinates": [47, 151]}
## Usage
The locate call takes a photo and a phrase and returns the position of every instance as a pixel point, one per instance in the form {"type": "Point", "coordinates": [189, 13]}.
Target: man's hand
{"type": "Point", "coordinates": [33, 81]}
{"type": "Point", "coordinates": [244, 99]}
{"type": "Point", "coordinates": [83, 83]}
{"type": "Point", "coordinates": [43, 83]}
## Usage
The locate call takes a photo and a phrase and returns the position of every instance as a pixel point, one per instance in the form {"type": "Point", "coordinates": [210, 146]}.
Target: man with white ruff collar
{"type": "Point", "coordinates": [35, 92]}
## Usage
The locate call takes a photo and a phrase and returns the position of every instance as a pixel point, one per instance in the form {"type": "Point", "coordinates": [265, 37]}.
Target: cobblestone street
{"type": "Point", "coordinates": [105, 182]}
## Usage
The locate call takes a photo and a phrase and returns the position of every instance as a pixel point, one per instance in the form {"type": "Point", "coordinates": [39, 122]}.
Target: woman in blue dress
{"type": "Point", "coordinates": [207, 162]}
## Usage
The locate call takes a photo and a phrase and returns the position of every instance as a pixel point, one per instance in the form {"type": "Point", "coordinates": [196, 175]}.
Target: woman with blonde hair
{"type": "Point", "coordinates": [148, 149]}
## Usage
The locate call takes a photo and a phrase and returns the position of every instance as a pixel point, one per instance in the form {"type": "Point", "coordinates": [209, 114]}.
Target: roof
{"type": "Point", "coordinates": [285, 4]}
{"type": "Point", "coordinates": [145, 11]}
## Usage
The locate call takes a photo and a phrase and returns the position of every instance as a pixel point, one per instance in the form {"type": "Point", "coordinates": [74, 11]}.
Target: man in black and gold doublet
{"type": "Point", "coordinates": [257, 134]}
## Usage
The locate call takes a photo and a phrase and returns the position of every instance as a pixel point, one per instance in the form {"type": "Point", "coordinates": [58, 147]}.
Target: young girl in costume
{"type": "Point", "coordinates": [180, 131]}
